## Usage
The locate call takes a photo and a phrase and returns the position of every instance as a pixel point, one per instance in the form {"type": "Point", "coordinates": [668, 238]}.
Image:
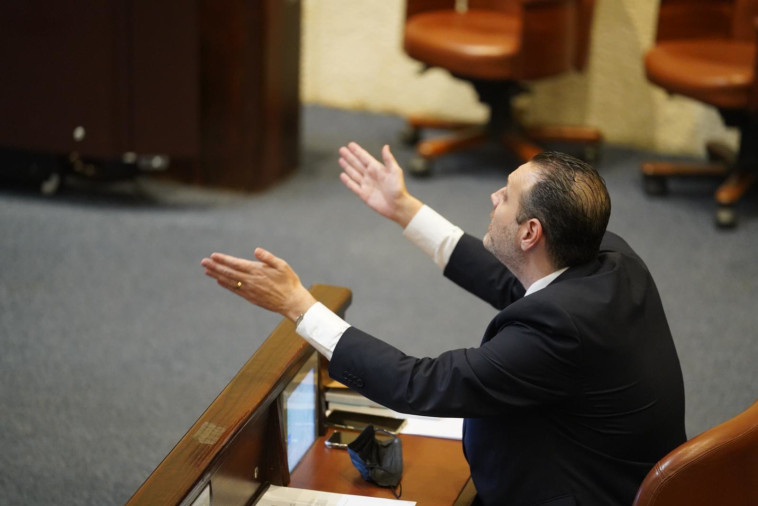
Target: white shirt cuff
{"type": "Point", "coordinates": [322, 329]}
{"type": "Point", "coordinates": [433, 234]}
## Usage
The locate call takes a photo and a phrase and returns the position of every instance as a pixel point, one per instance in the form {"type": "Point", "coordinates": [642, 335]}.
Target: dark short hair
{"type": "Point", "coordinates": [572, 203]}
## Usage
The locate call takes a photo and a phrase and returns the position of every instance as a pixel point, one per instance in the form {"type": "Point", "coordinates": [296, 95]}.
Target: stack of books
{"type": "Point", "coordinates": [350, 410]}
{"type": "Point", "coordinates": [347, 409]}
{"type": "Point", "coordinates": [340, 398]}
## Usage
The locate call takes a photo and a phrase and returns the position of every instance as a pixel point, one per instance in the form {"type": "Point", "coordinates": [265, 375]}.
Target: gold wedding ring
{"type": "Point", "coordinates": [239, 285]}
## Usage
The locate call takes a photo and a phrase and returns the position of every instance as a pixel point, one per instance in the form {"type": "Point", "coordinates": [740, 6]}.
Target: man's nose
{"type": "Point", "coordinates": [495, 199]}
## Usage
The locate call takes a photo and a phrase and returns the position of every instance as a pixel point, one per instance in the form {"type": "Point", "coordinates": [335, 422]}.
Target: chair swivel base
{"type": "Point", "coordinates": [524, 142]}
{"type": "Point", "coordinates": [721, 164]}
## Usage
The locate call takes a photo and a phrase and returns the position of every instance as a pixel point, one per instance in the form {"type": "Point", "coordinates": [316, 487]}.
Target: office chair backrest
{"type": "Point", "coordinates": [578, 25]}
{"type": "Point", "coordinates": [686, 19]}
{"type": "Point", "coordinates": [743, 19]}
{"type": "Point", "coordinates": [720, 466]}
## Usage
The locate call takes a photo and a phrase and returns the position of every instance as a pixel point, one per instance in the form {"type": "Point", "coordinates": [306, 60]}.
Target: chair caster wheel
{"type": "Point", "coordinates": [726, 217]}
{"type": "Point", "coordinates": [418, 166]}
{"type": "Point", "coordinates": [409, 135]}
{"type": "Point", "coordinates": [51, 184]}
{"type": "Point", "coordinates": [720, 153]}
{"type": "Point", "coordinates": [654, 185]}
{"type": "Point", "coordinates": [591, 154]}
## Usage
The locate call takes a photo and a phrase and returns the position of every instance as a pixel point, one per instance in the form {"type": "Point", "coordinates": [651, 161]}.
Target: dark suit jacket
{"type": "Point", "coordinates": [572, 396]}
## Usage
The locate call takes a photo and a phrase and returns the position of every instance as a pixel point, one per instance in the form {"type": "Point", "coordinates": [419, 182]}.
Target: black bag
{"type": "Point", "coordinates": [378, 461]}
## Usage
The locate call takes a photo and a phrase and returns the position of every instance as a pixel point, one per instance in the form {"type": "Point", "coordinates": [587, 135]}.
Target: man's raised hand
{"type": "Point", "coordinates": [380, 185]}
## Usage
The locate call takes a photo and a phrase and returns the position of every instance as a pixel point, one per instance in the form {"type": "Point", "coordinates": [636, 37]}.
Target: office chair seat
{"type": "Point", "coordinates": [717, 72]}
{"type": "Point", "coordinates": [476, 44]}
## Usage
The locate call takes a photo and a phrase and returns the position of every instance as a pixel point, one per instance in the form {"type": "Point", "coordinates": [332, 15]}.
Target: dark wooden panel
{"type": "Point", "coordinates": [62, 66]}
{"type": "Point", "coordinates": [212, 84]}
{"type": "Point", "coordinates": [249, 85]}
{"type": "Point", "coordinates": [165, 83]}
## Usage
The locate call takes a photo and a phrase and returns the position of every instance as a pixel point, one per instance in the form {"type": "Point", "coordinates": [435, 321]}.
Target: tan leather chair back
{"type": "Point", "coordinates": [718, 467]}
{"type": "Point", "coordinates": [744, 15]}
{"type": "Point", "coordinates": [685, 19]}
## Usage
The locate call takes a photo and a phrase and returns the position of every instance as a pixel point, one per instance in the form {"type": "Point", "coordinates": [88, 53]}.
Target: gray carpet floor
{"type": "Point", "coordinates": [114, 342]}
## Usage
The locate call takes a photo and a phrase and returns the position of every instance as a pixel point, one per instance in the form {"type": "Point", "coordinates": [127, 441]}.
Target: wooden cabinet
{"type": "Point", "coordinates": [211, 84]}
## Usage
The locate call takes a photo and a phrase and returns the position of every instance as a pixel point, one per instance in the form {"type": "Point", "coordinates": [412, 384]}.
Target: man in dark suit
{"type": "Point", "coordinates": [576, 389]}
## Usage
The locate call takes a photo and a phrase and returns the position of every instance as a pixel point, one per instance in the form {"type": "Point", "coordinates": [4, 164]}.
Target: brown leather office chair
{"type": "Point", "coordinates": [718, 467]}
{"type": "Point", "coordinates": [706, 50]}
{"type": "Point", "coordinates": [497, 45]}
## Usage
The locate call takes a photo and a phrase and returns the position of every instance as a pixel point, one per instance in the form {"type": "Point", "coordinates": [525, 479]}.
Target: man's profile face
{"type": "Point", "coordinates": [502, 238]}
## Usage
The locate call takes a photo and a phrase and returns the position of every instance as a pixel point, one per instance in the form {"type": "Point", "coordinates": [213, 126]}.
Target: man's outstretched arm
{"type": "Point", "coordinates": [271, 283]}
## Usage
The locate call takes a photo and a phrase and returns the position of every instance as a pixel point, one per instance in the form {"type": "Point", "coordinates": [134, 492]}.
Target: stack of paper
{"type": "Point", "coordinates": [288, 496]}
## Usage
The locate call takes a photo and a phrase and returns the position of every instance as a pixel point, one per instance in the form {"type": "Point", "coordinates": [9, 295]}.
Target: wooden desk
{"type": "Point", "coordinates": [434, 472]}
{"type": "Point", "coordinates": [239, 444]}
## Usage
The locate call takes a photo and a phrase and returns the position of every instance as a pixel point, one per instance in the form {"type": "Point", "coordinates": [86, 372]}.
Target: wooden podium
{"type": "Point", "coordinates": [240, 444]}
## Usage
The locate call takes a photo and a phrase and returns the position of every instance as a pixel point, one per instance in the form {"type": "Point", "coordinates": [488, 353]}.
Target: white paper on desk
{"type": "Point", "coordinates": [448, 428]}
{"type": "Point", "coordinates": [289, 496]}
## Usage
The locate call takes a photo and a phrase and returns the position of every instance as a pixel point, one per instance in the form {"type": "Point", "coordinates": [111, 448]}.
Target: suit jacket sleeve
{"type": "Point", "coordinates": [525, 364]}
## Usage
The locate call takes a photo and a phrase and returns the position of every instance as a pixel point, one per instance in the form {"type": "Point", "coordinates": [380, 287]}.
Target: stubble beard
{"type": "Point", "coordinates": [504, 248]}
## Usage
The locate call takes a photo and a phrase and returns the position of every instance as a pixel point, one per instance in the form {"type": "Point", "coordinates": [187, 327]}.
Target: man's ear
{"type": "Point", "coordinates": [531, 234]}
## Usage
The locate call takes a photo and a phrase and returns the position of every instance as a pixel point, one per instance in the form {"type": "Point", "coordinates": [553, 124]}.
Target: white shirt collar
{"type": "Point", "coordinates": [543, 282]}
